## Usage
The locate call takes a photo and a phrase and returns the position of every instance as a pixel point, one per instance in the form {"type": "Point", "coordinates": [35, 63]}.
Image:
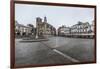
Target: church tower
{"type": "Point", "coordinates": [45, 19]}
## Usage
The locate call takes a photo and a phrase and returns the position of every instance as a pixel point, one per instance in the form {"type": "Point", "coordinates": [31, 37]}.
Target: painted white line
{"type": "Point", "coordinates": [66, 56]}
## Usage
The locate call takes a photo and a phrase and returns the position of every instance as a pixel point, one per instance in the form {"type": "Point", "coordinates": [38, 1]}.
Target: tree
{"type": "Point", "coordinates": [32, 26]}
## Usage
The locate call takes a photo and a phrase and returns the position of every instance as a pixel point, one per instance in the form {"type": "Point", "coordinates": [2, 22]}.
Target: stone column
{"type": "Point", "coordinates": [36, 31]}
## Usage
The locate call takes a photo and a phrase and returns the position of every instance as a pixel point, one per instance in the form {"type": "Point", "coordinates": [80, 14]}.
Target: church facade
{"type": "Point", "coordinates": [44, 28]}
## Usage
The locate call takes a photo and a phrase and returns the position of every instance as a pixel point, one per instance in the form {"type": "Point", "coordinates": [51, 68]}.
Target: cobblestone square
{"type": "Point", "coordinates": [58, 50]}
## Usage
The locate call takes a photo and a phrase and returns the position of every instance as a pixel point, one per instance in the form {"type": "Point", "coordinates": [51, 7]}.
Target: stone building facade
{"type": "Point", "coordinates": [78, 30]}
{"type": "Point", "coordinates": [93, 27]}
{"type": "Point", "coordinates": [44, 28]}
{"type": "Point", "coordinates": [64, 31]}
{"type": "Point", "coordinates": [21, 30]}
{"type": "Point", "coordinates": [81, 28]}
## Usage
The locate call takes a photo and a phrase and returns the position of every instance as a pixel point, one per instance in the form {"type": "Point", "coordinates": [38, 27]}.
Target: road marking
{"type": "Point", "coordinates": [59, 52]}
{"type": "Point", "coordinates": [66, 56]}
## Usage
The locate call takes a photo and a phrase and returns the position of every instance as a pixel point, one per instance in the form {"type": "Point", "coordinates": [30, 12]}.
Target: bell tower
{"type": "Point", "coordinates": [45, 19]}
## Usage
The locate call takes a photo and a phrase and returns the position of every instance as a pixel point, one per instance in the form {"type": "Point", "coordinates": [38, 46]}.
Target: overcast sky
{"type": "Point", "coordinates": [56, 15]}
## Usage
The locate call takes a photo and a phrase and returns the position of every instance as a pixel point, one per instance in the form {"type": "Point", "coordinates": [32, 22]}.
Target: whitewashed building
{"type": "Point", "coordinates": [63, 30]}
{"type": "Point", "coordinates": [92, 26]}
{"type": "Point", "coordinates": [81, 28]}
{"type": "Point", "coordinates": [21, 30]}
